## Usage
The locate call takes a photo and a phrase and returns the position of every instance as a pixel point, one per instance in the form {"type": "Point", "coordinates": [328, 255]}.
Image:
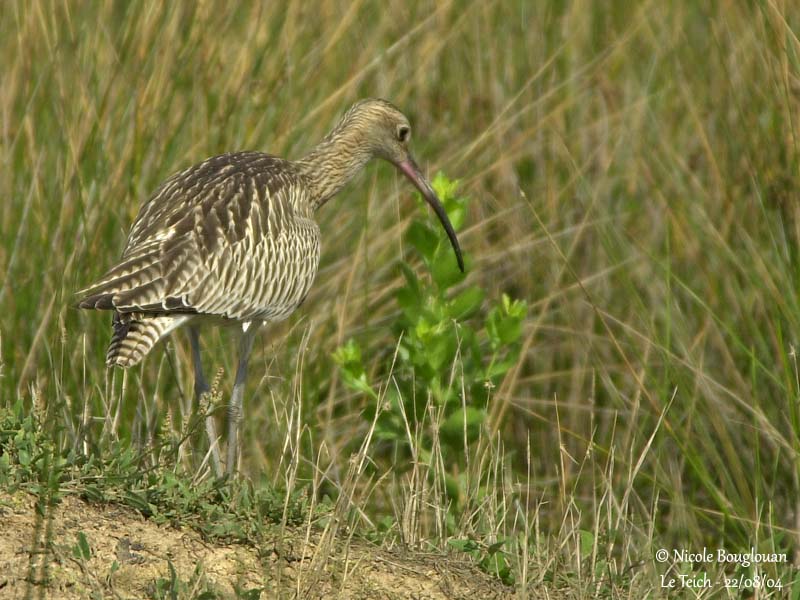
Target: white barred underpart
{"type": "Point", "coordinates": [232, 238]}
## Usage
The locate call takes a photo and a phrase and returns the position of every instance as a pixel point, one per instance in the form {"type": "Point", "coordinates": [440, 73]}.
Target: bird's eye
{"type": "Point", "coordinates": [403, 133]}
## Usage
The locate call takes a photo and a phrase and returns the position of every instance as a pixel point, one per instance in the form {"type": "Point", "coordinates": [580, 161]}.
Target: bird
{"type": "Point", "coordinates": [233, 241]}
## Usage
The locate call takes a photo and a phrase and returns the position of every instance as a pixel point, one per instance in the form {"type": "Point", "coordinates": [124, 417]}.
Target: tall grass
{"type": "Point", "coordinates": [634, 172]}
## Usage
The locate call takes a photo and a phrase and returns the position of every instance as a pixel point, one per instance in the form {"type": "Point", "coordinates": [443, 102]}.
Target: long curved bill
{"type": "Point", "coordinates": [411, 170]}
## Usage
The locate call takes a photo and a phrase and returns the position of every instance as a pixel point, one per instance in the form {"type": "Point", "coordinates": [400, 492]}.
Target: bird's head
{"type": "Point", "coordinates": [379, 127]}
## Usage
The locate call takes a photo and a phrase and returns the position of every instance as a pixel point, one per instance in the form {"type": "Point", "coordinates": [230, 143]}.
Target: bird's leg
{"type": "Point", "coordinates": [235, 407]}
{"type": "Point", "coordinates": [201, 387]}
{"type": "Point", "coordinates": [200, 383]}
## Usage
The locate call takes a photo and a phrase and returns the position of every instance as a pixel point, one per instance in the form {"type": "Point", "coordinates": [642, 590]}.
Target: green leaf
{"type": "Point", "coordinates": [463, 545]}
{"type": "Point", "coordinates": [586, 542]}
{"type": "Point", "coordinates": [509, 330]}
{"type": "Point", "coordinates": [444, 267]}
{"type": "Point", "coordinates": [423, 239]}
{"type": "Point", "coordinates": [412, 281]}
{"type": "Point", "coordinates": [452, 430]}
{"type": "Point", "coordinates": [409, 297]}
{"type": "Point", "coordinates": [139, 502]}
{"type": "Point", "coordinates": [457, 213]}
{"type": "Point", "coordinates": [348, 357]}
{"type": "Point", "coordinates": [499, 368]}
{"type": "Point", "coordinates": [467, 303]}
{"type": "Point", "coordinates": [442, 349]}
{"type": "Point", "coordinates": [498, 565]}
{"type": "Point", "coordinates": [455, 206]}
{"type": "Point", "coordinates": [516, 309]}
{"type": "Point", "coordinates": [504, 325]}
{"type": "Point", "coordinates": [251, 594]}
{"type": "Point", "coordinates": [93, 493]}
{"type": "Point", "coordinates": [81, 549]}
{"type": "Point", "coordinates": [408, 301]}
{"type": "Point", "coordinates": [444, 187]}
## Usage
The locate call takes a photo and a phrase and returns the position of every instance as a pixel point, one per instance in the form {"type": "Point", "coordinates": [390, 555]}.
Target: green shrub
{"type": "Point", "coordinates": [452, 340]}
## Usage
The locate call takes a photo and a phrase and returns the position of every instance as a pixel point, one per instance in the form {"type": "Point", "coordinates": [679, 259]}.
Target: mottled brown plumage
{"type": "Point", "coordinates": [233, 238]}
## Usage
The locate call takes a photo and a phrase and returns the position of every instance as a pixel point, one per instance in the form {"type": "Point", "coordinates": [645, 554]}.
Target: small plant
{"type": "Point", "coordinates": [197, 587]}
{"type": "Point", "coordinates": [23, 445]}
{"type": "Point", "coordinates": [490, 558]}
{"type": "Point", "coordinates": [81, 550]}
{"type": "Point", "coordinates": [174, 588]}
{"type": "Point", "coordinates": [452, 351]}
{"type": "Point", "coordinates": [232, 510]}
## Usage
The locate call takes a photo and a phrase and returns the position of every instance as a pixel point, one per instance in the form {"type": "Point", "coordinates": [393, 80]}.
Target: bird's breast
{"type": "Point", "coordinates": [283, 270]}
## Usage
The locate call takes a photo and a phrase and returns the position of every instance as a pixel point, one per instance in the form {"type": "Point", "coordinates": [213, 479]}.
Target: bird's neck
{"type": "Point", "coordinates": [338, 158]}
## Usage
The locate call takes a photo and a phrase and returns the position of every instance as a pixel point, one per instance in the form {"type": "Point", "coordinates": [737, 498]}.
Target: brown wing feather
{"type": "Point", "coordinates": [267, 281]}
{"type": "Point", "coordinates": [224, 237]}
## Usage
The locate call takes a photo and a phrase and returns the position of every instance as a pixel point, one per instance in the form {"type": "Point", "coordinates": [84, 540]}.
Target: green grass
{"type": "Point", "coordinates": [633, 172]}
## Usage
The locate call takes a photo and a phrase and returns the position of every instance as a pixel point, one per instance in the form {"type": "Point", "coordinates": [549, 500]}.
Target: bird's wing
{"type": "Point", "coordinates": [266, 279]}
{"type": "Point", "coordinates": [216, 239]}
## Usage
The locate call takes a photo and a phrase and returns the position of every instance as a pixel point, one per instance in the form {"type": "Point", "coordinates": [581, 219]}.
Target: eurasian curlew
{"type": "Point", "coordinates": [233, 239]}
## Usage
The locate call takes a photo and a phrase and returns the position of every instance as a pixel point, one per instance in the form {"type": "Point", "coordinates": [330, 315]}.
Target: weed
{"type": "Point", "coordinates": [452, 352]}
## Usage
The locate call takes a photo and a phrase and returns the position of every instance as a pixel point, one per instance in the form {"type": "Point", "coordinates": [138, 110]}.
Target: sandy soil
{"type": "Point", "coordinates": [40, 558]}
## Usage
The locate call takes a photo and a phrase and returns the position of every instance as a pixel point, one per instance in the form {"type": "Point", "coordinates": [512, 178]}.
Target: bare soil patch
{"type": "Point", "coordinates": [40, 557]}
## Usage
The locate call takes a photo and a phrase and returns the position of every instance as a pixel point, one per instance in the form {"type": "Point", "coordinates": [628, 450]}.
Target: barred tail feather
{"type": "Point", "coordinates": [135, 335]}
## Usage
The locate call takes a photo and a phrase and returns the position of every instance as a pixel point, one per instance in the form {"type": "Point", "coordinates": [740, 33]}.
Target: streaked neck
{"type": "Point", "coordinates": [338, 158]}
